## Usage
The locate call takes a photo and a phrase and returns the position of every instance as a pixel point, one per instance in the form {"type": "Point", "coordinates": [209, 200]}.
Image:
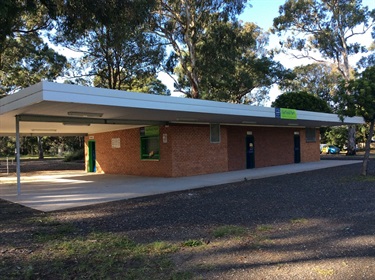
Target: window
{"type": "Point", "coordinates": [150, 144]}
{"type": "Point", "coordinates": [310, 134]}
{"type": "Point", "coordinates": [215, 133]}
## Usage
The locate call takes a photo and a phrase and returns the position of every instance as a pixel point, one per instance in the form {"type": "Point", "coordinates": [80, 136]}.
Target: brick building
{"type": "Point", "coordinates": [149, 135]}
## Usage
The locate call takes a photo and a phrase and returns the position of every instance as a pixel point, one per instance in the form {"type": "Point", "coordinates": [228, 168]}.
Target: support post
{"type": "Point", "coordinates": [18, 163]}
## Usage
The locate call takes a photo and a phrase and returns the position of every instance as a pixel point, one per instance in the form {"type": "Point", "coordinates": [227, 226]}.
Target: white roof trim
{"type": "Point", "coordinates": [54, 99]}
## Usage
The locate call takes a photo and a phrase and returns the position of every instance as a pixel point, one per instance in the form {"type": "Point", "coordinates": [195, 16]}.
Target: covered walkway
{"type": "Point", "coordinates": [53, 191]}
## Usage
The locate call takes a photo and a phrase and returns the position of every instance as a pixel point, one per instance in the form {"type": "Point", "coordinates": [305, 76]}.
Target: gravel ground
{"type": "Point", "coordinates": [310, 225]}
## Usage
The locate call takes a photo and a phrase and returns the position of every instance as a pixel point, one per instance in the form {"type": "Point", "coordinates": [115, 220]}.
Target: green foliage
{"type": "Point", "coordinates": [25, 59]}
{"type": "Point", "coordinates": [361, 102]}
{"type": "Point", "coordinates": [113, 37]}
{"type": "Point", "coordinates": [76, 155]}
{"type": "Point", "coordinates": [184, 26]}
{"type": "Point", "coordinates": [337, 136]}
{"type": "Point", "coordinates": [233, 64]}
{"type": "Point", "coordinates": [319, 79]}
{"type": "Point", "coordinates": [301, 101]}
{"type": "Point", "coordinates": [329, 26]}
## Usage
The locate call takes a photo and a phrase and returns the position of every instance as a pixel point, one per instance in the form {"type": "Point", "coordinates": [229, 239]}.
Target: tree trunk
{"type": "Point", "coordinates": [40, 147]}
{"type": "Point", "coordinates": [351, 141]}
{"type": "Point", "coordinates": [367, 149]}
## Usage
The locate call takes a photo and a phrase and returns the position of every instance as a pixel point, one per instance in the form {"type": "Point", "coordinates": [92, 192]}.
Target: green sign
{"type": "Point", "coordinates": [151, 131]}
{"type": "Point", "coordinates": [288, 114]}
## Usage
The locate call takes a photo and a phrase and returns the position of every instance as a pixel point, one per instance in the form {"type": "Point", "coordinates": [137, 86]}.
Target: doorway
{"type": "Point", "coordinates": [250, 152]}
{"type": "Point", "coordinates": [297, 148]}
{"type": "Point", "coordinates": [92, 157]}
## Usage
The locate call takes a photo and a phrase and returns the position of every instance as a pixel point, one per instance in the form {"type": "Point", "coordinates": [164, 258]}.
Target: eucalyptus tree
{"type": "Point", "coordinates": [328, 26]}
{"type": "Point", "coordinates": [183, 25]}
{"type": "Point", "coordinates": [234, 65]}
{"type": "Point", "coordinates": [361, 102]}
{"type": "Point", "coordinates": [25, 58]}
{"type": "Point", "coordinates": [113, 37]}
{"type": "Point", "coordinates": [318, 79]}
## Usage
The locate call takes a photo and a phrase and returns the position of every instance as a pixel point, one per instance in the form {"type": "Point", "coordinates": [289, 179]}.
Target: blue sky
{"type": "Point", "coordinates": [263, 12]}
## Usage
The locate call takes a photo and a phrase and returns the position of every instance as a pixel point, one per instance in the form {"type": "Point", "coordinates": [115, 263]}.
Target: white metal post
{"type": "Point", "coordinates": [18, 163]}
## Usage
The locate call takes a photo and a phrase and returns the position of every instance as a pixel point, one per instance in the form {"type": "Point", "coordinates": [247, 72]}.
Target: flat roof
{"type": "Point", "coordinates": [49, 108]}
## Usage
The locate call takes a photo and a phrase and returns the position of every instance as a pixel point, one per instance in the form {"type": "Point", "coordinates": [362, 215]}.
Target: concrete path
{"type": "Point", "coordinates": [67, 189]}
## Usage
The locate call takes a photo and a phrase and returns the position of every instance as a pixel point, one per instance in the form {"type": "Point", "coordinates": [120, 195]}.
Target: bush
{"type": "Point", "coordinates": [76, 155]}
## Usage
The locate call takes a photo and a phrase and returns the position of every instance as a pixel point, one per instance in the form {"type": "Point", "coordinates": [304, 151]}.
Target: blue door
{"type": "Point", "coordinates": [297, 149]}
{"type": "Point", "coordinates": [250, 152]}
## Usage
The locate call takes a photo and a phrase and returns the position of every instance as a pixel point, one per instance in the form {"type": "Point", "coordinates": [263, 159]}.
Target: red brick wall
{"type": "Point", "coordinates": [273, 146]}
{"type": "Point", "coordinates": [310, 151]}
{"type": "Point", "coordinates": [236, 147]}
{"type": "Point", "coordinates": [192, 152]}
{"type": "Point", "coordinates": [127, 159]}
{"type": "Point", "coordinates": [188, 150]}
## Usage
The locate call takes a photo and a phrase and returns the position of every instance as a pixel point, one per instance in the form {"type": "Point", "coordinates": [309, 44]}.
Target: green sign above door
{"type": "Point", "coordinates": [287, 114]}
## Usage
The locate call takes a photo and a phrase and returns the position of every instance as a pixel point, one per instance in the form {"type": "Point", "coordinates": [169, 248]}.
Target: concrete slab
{"type": "Point", "coordinates": [53, 191]}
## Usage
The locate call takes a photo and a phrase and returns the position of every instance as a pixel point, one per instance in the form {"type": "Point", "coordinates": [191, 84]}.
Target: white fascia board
{"type": "Point", "coordinates": [23, 98]}
{"type": "Point", "coordinates": [98, 96]}
{"type": "Point", "coordinates": [326, 117]}
{"type": "Point", "coordinates": [57, 92]}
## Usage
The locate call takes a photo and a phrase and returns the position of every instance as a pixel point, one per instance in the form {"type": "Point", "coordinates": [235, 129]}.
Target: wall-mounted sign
{"type": "Point", "coordinates": [287, 114]}
{"type": "Point", "coordinates": [91, 137]}
{"type": "Point", "coordinates": [116, 143]}
{"type": "Point", "coordinates": [165, 138]}
{"type": "Point", "coordinates": [150, 131]}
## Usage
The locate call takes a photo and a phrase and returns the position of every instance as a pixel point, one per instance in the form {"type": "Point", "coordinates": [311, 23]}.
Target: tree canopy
{"type": "Point", "coordinates": [301, 100]}
{"type": "Point", "coordinates": [318, 79]}
{"type": "Point", "coordinates": [114, 38]}
{"type": "Point", "coordinates": [361, 102]}
{"type": "Point", "coordinates": [25, 58]}
{"type": "Point", "coordinates": [329, 26]}
{"type": "Point", "coordinates": [183, 25]}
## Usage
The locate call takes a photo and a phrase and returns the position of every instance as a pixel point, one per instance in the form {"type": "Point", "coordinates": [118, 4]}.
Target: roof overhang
{"type": "Point", "coordinates": [62, 109]}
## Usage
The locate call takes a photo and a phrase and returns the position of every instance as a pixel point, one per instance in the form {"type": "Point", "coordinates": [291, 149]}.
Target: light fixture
{"type": "Point", "coordinates": [76, 124]}
{"type": "Point", "coordinates": [43, 130]}
{"type": "Point", "coordinates": [186, 120]}
{"type": "Point", "coordinates": [85, 114]}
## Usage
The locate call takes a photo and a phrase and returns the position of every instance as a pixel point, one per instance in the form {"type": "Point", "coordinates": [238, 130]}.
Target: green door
{"type": "Point", "coordinates": [92, 157]}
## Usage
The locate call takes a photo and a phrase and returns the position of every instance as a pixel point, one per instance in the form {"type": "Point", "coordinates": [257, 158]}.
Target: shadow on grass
{"type": "Point", "coordinates": [326, 215]}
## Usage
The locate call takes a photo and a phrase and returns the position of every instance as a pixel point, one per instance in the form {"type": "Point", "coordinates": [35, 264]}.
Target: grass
{"type": "Point", "coordinates": [92, 256]}
{"type": "Point", "coordinates": [368, 178]}
{"type": "Point", "coordinates": [298, 221]}
{"type": "Point", "coordinates": [193, 243]}
{"type": "Point", "coordinates": [229, 230]}
{"type": "Point", "coordinates": [264, 228]}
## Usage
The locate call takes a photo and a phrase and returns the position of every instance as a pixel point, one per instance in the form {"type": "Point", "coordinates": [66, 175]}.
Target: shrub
{"type": "Point", "coordinates": [76, 155]}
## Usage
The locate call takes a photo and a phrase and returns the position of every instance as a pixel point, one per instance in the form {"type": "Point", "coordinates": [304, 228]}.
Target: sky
{"type": "Point", "coordinates": [262, 13]}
